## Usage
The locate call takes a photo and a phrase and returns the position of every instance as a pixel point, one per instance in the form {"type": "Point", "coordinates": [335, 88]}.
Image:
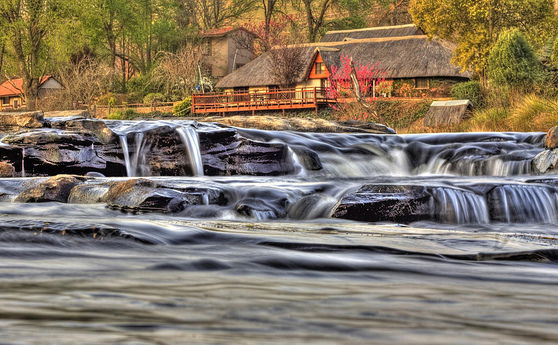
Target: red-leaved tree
{"type": "Point", "coordinates": [352, 79]}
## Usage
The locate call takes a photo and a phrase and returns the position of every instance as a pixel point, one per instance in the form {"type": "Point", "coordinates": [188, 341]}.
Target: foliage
{"type": "Point", "coordinates": [512, 62]}
{"type": "Point", "coordinates": [475, 25]}
{"type": "Point", "coordinates": [153, 98]}
{"type": "Point", "coordinates": [489, 120]}
{"type": "Point", "coordinates": [355, 77]}
{"type": "Point", "coordinates": [534, 113]}
{"type": "Point", "coordinates": [471, 90]}
{"type": "Point", "coordinates": [183, 108]}
{"type": "Point", "coordinates": [128, 114]}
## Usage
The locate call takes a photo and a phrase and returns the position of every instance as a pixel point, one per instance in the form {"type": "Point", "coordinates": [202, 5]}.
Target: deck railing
{"type": "Point", "coordinates": [300, 98]}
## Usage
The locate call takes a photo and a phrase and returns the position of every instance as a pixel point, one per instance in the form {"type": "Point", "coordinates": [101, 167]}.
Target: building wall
{"type": "Point", "coordinates": [239, 53]}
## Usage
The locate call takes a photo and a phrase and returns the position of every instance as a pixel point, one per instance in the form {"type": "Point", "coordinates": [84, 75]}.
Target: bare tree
{"type": "Point", "coordinates": [288, 64]}
{"type": "Point", "coordinates": [315, 12]}
{"type": "Point", "coordinates": [83, 83]}
{"type": "Point", "coordinates": [210, 14]}
{"type": "Point", "coordinates": [178, 72]}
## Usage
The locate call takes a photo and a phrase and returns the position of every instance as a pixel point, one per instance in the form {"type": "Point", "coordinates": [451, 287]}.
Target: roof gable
{"type": "Point", "coordinates": [14, 87]}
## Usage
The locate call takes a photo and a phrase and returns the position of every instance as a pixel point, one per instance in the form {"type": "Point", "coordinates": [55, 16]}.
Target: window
{"type": "Point", "coordinates": [207, 51]}
{"type": "Point", "coordinates": [422, 83]}
{"type": "Point", "coordinates": [319, 68]}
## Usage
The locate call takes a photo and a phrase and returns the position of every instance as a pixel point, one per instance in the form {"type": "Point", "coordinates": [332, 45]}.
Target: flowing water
{"type": "Point", "coordinates": [265, 262]}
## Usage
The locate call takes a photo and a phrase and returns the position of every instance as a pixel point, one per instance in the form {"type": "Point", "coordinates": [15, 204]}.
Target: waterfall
{"type": "Point", "coordinates": [460, 207]}
{"type": "Point", "coordinates": [191, 141]}
{"type": "Point", "coordinates": [126, 152]}
{"type": "Point", "coordinates": [23, 162]}
{"type": "Point", "coordinates": [299, 169]}
{"type": "Point", "coordinates": [524, 204]}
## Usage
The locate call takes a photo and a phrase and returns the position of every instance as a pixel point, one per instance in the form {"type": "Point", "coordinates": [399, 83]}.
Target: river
{"type": "Point", "coordinates": [273, 262]}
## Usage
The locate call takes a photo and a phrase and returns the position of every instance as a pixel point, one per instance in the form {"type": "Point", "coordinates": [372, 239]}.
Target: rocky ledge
{"type": "Point", "coordinates": [35, 146]}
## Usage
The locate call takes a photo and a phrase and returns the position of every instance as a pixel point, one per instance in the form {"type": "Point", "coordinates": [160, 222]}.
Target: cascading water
{"type": "Point", "coordinates": [460, 206]}
{"type": "Point", "coordinates": [525, 204]}
{"type": "Point", "coordinates": [126, 152]}
{"type": "Point", "coordinates": [191, 141]}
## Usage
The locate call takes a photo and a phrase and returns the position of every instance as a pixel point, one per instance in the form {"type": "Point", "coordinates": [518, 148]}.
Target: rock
{"type": "Point", "coordinates": [546, 161]}
{"type": "Point", "coordinates": [98, 128]}
{"type": "Point", "coordinates": [52, 152]}
{"type": "Point", "coordinates": [226, 153]}
{"type": "Point", "coordinates": [18, 121]}
{"type": "Point", "coordinates": [386, 203]}
{"type": "Point", "coordinates": [144, 196]}
{"type": "Point", "coordinates": [551, 141]}
{"type": "Point", "coordinates": [57, 188]}
{"type": "Point", "coordinates": [7, 169]}
{"type": "Point", "coordinates": [299, 124]}
{"type": "Point", "coordinates": [68, 114]}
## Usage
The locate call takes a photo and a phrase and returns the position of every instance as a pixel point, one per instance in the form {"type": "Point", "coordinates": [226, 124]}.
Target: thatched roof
{"type": "Point", "coordinates": [396, 57]}
{"type": "Point", "coordinates": [376, 32]}
{"type": "Point", "coordinates": [447, 113]}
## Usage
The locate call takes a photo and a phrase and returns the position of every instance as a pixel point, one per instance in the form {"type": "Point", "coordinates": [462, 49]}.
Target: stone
{"type": "Point", "coordinates": [546, 161]}
{"type": "Point", "coordinates": [551, 141]}
{"type": "Point", "coordinates": [7, 169]}
{"type": "Point", "coordinates": [57, 188]}
{"type": "Point", "coordinates": [226, 153]}
{"type": "Point", "coordinates": [141, 195]}
{"type": "Point", "coordinates": [18, 121]}
{"type": "Point", "coordinates": [98, 128]}
{"type": "Point", "coordinates": [51, 152]}
{"type": "Point", "coordinates": [386, 203]}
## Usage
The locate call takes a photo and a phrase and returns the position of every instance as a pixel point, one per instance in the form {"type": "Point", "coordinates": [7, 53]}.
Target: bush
{"type": "Point", "coordinates": [128, 114]}
{"type": "Point", "coordinates": [153, 98]}
{"type": "Point", "coordinates": [183, 108]}
{"type": "Point", "coordinates": [470, 90]}
{"type": "Point", "coordinates": [512, 62]}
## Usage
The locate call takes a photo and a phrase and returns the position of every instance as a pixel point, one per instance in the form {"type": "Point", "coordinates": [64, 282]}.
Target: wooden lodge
{"type": "Point", "coordinates": [408, 63]}
{"type": "Point", "coordinates": [12, 95]}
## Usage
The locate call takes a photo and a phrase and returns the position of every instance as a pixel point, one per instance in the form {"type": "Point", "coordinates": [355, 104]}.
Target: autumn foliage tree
{"type": "Point", "coordinates": [475, 25]}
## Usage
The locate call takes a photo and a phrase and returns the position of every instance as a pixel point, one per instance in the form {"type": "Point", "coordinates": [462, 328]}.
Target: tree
{"type": "Point", "coordinates": [512, 63]}
{"type": "Point", "coordinates": [178, 72]}
{"type": "Point", "coordinates": [315, 13]}
{"type": "Point", "coordinates": [288, 64]}
{"type": "Point", "coordinates": [475, 25]}
{"type": "Point", "coordinates": [28, 27]}
{"type": "Point", "coordinates": [211, 14]}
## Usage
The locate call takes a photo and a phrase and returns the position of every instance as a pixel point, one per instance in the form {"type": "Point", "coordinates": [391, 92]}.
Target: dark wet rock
{"type": "Point", "coordinates": [17, 121]}
{"type": "Point", "coordinates": [389, 203]}
{"type": "Point", "coordinates": [551, 141]}
{"type": "Point", "coordinates": [367, 127]}
{"type": "Point", "coordinates": [88, 193]}
{"type": "Point", "coordinates": [308, 159]}
{"type": "Point", "coordinates": [144, 196]}
{"type": "Point", "coordinates": [7, 169]}
{"type": "Point", "coordinates": [52, 152]}
{"type": "Point", "coordinates": [57, 188]}
{"type": "Point", "coordinates": [226, 153]}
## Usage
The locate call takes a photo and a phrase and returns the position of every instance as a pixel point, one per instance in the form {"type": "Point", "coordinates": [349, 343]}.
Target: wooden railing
{"type": "Point", "coordinates": [302, 98]}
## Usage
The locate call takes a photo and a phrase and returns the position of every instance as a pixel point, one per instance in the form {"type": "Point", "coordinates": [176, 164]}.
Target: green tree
{"type": "Point", "coordinates": [314, 12]}
{"type": "Point", "coordinates": [30, 29]}
{"type": "Point", "coordinates": [512, 63]}
{"type": "Point", "coordinates": [475, 25]}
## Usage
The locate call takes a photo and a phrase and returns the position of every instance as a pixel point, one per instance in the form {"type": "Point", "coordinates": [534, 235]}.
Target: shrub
{"type": "Point", "coordinates": [183, 108]}
{"type": "Point", "coordinates": [153, 98]}
{"type": "Point", "coordinates": [128, 114]}
{"type": "Point", "coordinates": [470, 90]}
{"type": "Point", "coordinates": [512, 62]}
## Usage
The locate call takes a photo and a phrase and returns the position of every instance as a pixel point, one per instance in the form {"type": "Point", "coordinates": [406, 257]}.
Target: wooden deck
{"type": "Point", "coordinates": [308, 98]}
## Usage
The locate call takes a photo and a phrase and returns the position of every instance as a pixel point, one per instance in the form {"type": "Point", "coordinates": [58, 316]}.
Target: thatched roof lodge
{"type": "Point", "coordinates": [415, 59]}
{"type": "Point", "coordinates": [448, 113]}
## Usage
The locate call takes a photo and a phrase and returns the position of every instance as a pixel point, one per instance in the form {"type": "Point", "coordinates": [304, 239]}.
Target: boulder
{"type": "Point", "coordinates": [386, 203]}
{"type": "Point", "coordinates": [51, 152]}
{"type": "Point", "coordinates": [546, 161]}
{"type": "Point", "coordinates": [98, 128]}
{"type": "Point", "coordinates": [7, 169]}
{"type": "Point", "coordinates": [551, 141]}
{"type": "Point", "coordinates": [57, 188]}
{"type": "Point", "coordinates": [18, 121]}
{"type": "Point", "coordinates": [226, 153]}
{"type": "Point", "coordinates": [140, 195]}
